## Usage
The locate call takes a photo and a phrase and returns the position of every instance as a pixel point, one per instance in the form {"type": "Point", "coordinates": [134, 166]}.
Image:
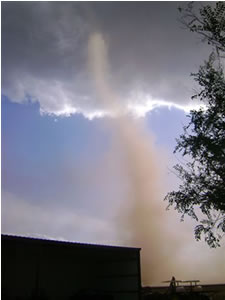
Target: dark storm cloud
{"type": "Point", "coordinates": [44, 52]}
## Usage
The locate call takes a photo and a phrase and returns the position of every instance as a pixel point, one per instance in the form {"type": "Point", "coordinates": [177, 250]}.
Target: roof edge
{"type": "Point", "coordinates": [65, 242]}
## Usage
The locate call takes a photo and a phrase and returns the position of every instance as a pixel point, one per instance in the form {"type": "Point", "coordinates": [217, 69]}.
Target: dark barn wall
{"type": "Point", "coordinates": [57, 270]}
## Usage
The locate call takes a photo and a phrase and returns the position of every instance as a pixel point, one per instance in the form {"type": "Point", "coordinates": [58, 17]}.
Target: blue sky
{"type": "Point", "coordinates": [37, 149]}
{"type": "Point", "coordinates": [91, 109]}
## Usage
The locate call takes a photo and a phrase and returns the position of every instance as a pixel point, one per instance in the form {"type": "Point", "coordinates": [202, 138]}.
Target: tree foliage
{"type": "Point", "coordinates": [208, 21]}
{"type": "Point", "coordinates": [202, 191]}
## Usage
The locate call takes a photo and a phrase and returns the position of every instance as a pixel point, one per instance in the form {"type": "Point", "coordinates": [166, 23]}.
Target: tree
{"type": "Point", "coordinates": [202, 191]}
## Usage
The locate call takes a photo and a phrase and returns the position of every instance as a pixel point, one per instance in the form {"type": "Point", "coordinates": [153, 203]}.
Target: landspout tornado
{"type": "Point", "coordinates": [145, 218]}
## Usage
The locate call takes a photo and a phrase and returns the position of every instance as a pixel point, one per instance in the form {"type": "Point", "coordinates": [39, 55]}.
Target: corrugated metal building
{"type": "Point", "coordinates": [46, 269]}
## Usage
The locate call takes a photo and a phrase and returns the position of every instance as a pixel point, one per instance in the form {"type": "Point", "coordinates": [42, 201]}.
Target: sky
{"type": "Point", "coordinates": [94, 95]}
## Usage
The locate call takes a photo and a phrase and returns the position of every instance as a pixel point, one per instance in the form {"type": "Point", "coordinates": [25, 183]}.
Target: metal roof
{"type": "Point", "coordinates": [66, 243]}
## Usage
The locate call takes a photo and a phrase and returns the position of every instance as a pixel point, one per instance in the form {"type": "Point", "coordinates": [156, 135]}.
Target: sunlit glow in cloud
{"type": "Point", "coordinates": [138, 108]}
{"type": "Point", "coordinates": [69, 110]}
{"type": "Point", "coordinates": [66, 111]}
